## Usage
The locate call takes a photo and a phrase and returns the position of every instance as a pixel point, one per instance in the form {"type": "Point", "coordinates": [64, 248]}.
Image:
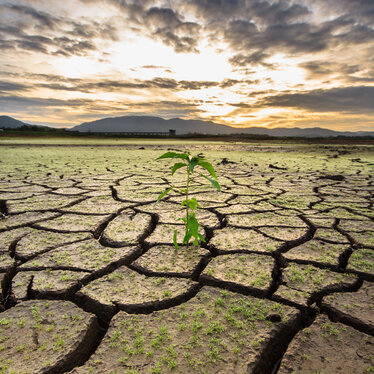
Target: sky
{"type": "Point", "coordinates": [243, 63]}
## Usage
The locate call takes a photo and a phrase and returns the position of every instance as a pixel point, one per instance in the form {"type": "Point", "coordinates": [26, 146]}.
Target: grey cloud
{"type": "Point", "coordinates": [68, 47]}
{"type": "Point", "coordinates": [321, 69]}
{"type": "Point", "coordinates": [226, 83]}
{"type": "Point", "coordinates": [343, 99]}
{"type": "Point", "coordinates": [6, 86]}
{"type": "Point", "coordinates": [36, 105]}
{"type": "Point", "coordinates": [361, 10]}
{"type": "Point", "coordinates": [217, 9]}
{"type": "Point", "coordinates": [301, 37]}
{"type": "Point", "coordinates": [43, 19]}
{"type": "Point", "coordinates": [60, 83]}
{"type": "Point", "coordinates": [161, 17]}
{"type": "Point", "coordinates": [165, 24]}
{"type": "Point", "coordinates": [61, 36]}
{"type": "Point", "coordinates": [156, 67]}
{"type": "Point", "coordinates": [255, 28]}
{"type": "Point", "coordinates": [280, 12]}
{"type": "Point", "coordinates": [12, 101]}
{"type": "Point", "coordinates": [109, 85]}
{"type": "Point", "coordinates": [264, 12]}
{"type": "Point", "coordinates": [255, 58]}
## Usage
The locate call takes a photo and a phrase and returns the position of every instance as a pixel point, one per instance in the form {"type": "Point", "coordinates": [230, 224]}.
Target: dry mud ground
{"type": "Point", "coordinates": [91, 283]}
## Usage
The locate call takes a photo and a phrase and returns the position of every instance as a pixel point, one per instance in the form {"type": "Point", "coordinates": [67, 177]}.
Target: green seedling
{"type": "Point", "coordinates": [191, 205]}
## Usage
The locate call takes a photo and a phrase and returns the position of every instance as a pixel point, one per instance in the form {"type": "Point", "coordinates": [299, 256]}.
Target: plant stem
{"type": "Point", "coordinates": [187, 208]}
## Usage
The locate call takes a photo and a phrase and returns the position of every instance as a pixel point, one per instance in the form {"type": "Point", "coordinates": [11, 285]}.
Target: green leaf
{"type": "Point", "coordinates": [175, 239]}
{"type": "Point", "coordinates": [192, 163]}
{"type": "Point", "coordinates": [208, 166]}
{"type": "Point", "coordinates": [177, 166]}
{"type": "Point", "coordinates": [202, 238]}
{"type": "Point", "coordinates": [185, 156]}
{"type": "Point", "coordinates": [193, 225]}
{"type": "Point", "coordinates": [213, 182]}
{"type": "Point", "coordinates": [163, 194]}
{"type": "Point", "coordinates": [191, 203]}
{"type": "Point", "coordinates": [187, 238]}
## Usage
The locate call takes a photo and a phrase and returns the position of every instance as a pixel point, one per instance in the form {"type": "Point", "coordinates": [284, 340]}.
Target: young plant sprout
{"type": "Point", "coordinates": [189, 163]}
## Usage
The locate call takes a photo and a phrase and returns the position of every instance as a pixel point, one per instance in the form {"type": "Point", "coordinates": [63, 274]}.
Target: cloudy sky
{"type": "Point", "coordinates": [281, 63]}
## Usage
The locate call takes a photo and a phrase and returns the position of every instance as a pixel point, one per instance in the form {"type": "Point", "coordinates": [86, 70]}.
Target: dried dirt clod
{"type": "Point", "coordinates": [126, 229]}
{"type": "Point", "coordinates": [100, 203]}
{"type": "Point", "coordinates": [271, 166]}
{"type": "Point", "coordinates": [45, 337]}
{"type": "Point", "coordinates": [46, 283]}
{"type": "Point", "coordinates": [5, 261]}
{"type": "Point", "coordinates": [328, 347]}
{"type": "Point", "coordinates": [317, 250]}
{"type": "Point", "coordinates": [38, 241]}
{"type": "Point", "coordinates": [21, 220]}
{"type": "Point", "coordinates": [357, 308]}
{"type": "Point", "coordinates": [72, 222]}
{"type": "Point", "coordinates": [282, 233]}
{"type": "Point", "coordinates": [362, 260]}
{"type": "Point", "coordinates": [312, 279]}
{"type": "Point", "coordinates": [88, 255]}
{"type": "Point", "coordinates": [165, 259]}
{"type": "Point", "coordinates": [214, 332]}
{"type": "Point", "coordinates": [41, 202]}
{"type": "Point", "coordinates": [225, 161]}
{"type": "Point", "coordinates": [337, 177]}
{"type": "Point", "coordinates": [230, 239]}
{"type": "Point", "coordinates": [246, 270]}
{"type": "Point", "coordinates": [265, 219]}
{"type": "Point", "coordinates": [295, 297]}
{"type": "Point", "coordinates": [132, 290]}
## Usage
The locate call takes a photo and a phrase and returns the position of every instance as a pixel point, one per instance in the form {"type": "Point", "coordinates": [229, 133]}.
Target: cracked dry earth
{"type": "Point", "coordinates": [91, 283]}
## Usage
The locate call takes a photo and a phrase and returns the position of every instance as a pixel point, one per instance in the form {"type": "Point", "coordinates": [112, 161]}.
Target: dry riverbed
{"type": "Point", "coordinates": [91, 282]}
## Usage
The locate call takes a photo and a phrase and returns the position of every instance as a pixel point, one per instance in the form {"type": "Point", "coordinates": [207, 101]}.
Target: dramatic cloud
{"type": "Point", "coordinates": [239, 62]}
{"type": "Point", "coordinates": [323, 69]}
{"type": "Point", "coordinates": [27, 28]}
{"type": "Point", "coordinates": [254, 59]}
{"type": "Point", "coordinates": [346, 99]}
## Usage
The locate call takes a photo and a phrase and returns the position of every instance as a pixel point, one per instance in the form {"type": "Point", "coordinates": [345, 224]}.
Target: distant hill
{"type": "Point", "coordinates": [182, 127]}
{"type": "Point", "coordinates": [11, 123]}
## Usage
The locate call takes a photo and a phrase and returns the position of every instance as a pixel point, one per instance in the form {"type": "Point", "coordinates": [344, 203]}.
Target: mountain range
{"type": "Point", "coordinates": [183, 127]}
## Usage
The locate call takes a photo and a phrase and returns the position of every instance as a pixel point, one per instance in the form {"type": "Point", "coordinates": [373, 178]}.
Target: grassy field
{"type": "Point", "coordinates": [91, 282]}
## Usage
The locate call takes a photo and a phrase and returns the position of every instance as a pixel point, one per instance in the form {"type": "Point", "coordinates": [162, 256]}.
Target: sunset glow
{"type": "Point", "coordinates": [244, 63]}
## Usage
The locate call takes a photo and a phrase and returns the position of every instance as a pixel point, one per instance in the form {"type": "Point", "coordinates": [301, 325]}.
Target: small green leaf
{"type": "Point", "coordinates": [175, 239]}
{"type": "Point", "coordinates": [213, 182]}
{"type": "Point", "coordinates": [208, 166]}
{"type": "Point", "coordinates": [187, 238]}
{"type": "Point", "coordinates": [191, 203]}
{"type": "Point", "coordinates": [192, 163]}
{"type": "Point", "coordinates": [185, 156]}
{"type": "Point", "coordinates": [163, 194]}
{"type": "Point", "coordinates": [177, 166]}
{"type": "Point", "coordinates": [202, 238]}
{"type": "Point", "coordinates": [193, 225]}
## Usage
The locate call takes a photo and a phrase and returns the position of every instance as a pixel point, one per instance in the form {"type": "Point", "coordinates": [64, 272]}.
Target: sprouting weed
{"type": "Point", "coordinates": [191, 205]}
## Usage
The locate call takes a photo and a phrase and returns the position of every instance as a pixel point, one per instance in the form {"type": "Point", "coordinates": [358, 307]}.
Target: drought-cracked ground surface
{"type": "Point", "coordinates": [91, 283]}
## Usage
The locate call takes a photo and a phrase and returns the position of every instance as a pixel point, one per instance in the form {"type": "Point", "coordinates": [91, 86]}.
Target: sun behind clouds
{"type": "Point", "coordinates": [259, 63]}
